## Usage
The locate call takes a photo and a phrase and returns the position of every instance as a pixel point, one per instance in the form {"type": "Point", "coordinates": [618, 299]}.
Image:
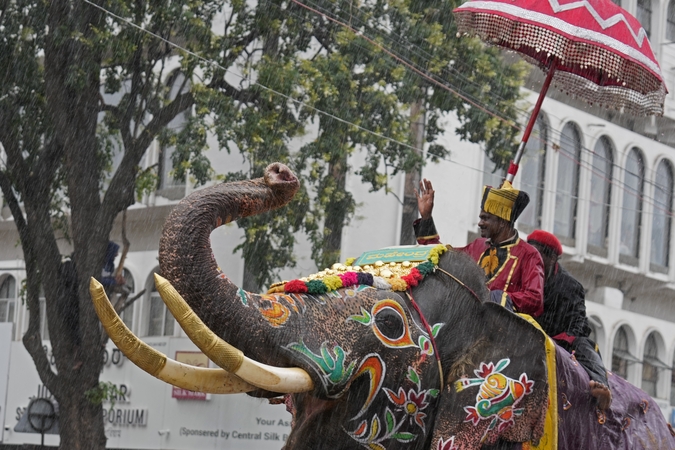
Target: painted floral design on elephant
{"type": "Point", "coordinates": [447, 444]}
{"type": "Point", "coordinates": [334, 374]}
{"type": "Point", "coordinates": [414, 401]}
{"type": "Point", "coordinates": [410, 403]}
{"type": "Point", "coordinates": [497, 397]}
{"type": "Point", "coordinates": [330, 365]}
{"type": "Point", "coordinates": [275, 308]}
{"type": "Point", "coordinates": [404, 338]}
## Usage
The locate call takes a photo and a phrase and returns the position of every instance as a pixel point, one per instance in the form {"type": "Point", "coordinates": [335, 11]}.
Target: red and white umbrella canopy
{"type": "Point", "coordinates": [598, 51]}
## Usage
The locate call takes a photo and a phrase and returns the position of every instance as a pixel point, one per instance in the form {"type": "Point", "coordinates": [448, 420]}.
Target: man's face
{"type": "Point", "coordinates": [490, 225]}
{"type": "Point", "coordinates": [549, 260]}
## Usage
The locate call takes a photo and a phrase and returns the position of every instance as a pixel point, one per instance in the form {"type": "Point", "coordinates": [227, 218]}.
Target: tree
{"type": "Point", "coordinates": [83, 93]}
{"type": "Point", "coordinates": [449, 74]}
{"type": "Point", "coordinates": [397, 69]}
{"type": "Point", "coordinates": [350, 78]}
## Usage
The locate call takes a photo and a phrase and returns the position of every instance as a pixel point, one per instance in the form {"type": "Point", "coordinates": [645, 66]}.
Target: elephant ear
{"type": "Point", "coordinates": [501, 389]}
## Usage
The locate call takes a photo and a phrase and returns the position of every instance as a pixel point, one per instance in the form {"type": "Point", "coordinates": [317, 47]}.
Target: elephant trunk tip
{"type": "Point", "coordinates": [282, 179]}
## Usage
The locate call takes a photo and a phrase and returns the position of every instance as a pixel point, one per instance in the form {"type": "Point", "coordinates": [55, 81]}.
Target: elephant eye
{"type": "Point", "coordinates": [390, 323]}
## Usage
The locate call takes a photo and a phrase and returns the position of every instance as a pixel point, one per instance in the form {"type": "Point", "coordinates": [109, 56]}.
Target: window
{"type": "Point", "coordinates": [617, 2]}
{"type": "Point", "coordinates": [168, 186]}
{"type": "Point", "coordinates": [532, 173]}
{"type": "Point", "coordinates": [663, 209]}
{"type": "Point", "coordinates": [160, 320]}
{"type": "Point", "coordinates": [650, 370]}
{"type": "Point", "coordinates": [567, 191]}
{"type": "Point", "coordinates": [670, 22]}
{"type": "Point", "coordinates": [644, 15]}
{"type": "Point", "coordinates": [601, 185]}
{"type": "Point", "coordinates": [7, 299]}
{"type": "Point", "coordinates": [631, 212]}
{"type": "Point", "coordinates": [621, 357]}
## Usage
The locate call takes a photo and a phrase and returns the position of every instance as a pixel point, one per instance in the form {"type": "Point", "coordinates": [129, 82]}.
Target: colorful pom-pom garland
{"type": "Point", "coordinates": [398, 276]}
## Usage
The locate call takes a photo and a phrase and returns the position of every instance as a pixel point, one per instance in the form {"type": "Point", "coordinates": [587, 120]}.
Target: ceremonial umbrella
{"type": "Point", "coordinates": [591, 49]}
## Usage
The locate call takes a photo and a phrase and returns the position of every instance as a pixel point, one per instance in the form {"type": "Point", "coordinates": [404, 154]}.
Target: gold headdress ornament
{"type": "Point", "coordinates": [506, 202]}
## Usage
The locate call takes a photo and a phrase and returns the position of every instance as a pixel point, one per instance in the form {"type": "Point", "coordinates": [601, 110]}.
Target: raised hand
{"type": "Point", "coordinates": [425, 198]}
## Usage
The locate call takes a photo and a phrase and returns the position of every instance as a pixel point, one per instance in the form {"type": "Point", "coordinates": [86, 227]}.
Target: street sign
{"type": "Point", "coordinates": [41, 417]}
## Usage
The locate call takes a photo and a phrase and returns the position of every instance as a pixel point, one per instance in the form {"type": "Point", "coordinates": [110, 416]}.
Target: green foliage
{"type": "Point", "coordinates": [458, 65]}
{"type": "Point", "coordinates": [146, 182]}
{"type": "Point", "coordinates": [105, 391]}
{"type": "Point", "coordinates": [352, 80]}
{"type": "Point", "coordinates": [360, 82]}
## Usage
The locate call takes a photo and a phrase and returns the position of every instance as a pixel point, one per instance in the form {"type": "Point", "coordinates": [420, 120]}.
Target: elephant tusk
{"type": "Point", "coordinates": [284, 380]}
{"type": "Point", "coordinates": [198, 379]}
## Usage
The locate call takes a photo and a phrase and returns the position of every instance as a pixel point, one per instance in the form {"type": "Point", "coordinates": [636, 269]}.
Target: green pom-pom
{"type": "Point", "coordinates": [316, 287]}
{"type": "Point", "coordinates": [426, 268]}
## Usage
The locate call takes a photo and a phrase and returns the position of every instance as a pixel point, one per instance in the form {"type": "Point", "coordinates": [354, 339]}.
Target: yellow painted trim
{"type": "Point", "coordinates": [549, 440]}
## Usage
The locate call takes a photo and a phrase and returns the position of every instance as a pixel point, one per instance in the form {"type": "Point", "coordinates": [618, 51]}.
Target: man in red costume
{"type": "Point", "coordinates": [514, 270]}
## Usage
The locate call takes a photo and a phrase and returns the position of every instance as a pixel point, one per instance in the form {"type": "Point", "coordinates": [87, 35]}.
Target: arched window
{"type": "Point", "coordinates": [670, 22]}
{"type": "Point", "coordinates": [631, 212]}
{"type": "Point", "coordinates": [651, 365]}
{"type": "Point", "coordinates": [621, 356]}
{"type": "Point", "coordinates": [663, 209]}
{"type": "Point", "coordinates": [567, 190]}
{"type": "Point", "coordinates": [7, 299]}
{"type": "Point", "coordinates": [601, 185]}
{"type": "Point", "coordinates": [532, 173]}
{"type": "Point", "coordinates": [168, 186]}
{"type": "Point", "coordinates": [160, 320]}
{"type": "Point", "coordinates": [650, 369]}
{"type": "Point", "coordinates": [644, 15]}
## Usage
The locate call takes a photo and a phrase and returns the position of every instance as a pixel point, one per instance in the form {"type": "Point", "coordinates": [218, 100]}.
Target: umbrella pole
{"type": "Point", "coordinates": [513, 167]}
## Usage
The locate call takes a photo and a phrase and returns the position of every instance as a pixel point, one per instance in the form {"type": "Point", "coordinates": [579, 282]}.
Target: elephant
{"type": "Point", "coordinates": [362, 361]}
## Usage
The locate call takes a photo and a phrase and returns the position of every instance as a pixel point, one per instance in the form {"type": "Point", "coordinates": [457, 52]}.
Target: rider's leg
{"type": "Point", "coordinates": [585, 354]}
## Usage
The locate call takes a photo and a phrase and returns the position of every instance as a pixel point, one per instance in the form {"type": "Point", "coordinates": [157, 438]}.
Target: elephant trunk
{"type": "Point", "coordinates": [185, 254]}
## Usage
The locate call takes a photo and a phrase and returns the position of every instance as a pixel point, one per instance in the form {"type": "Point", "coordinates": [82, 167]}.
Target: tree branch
{"type": "Point", "coordinates": [13, 203]}
{"type": "Point", "coordinates": [16, 165]}
{"type": "Point", "coordinates": [32, 340]}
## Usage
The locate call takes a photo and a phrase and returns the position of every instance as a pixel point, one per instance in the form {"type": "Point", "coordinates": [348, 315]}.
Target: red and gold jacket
{"type": "Point", "coordinates": [514, 267]}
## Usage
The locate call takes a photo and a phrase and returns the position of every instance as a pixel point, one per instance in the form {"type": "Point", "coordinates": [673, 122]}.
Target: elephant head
{"type": "Point", "coordinates": [427, 367]}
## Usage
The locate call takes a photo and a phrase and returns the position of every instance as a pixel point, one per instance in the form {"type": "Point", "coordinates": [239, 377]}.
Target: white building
{"type": "Point", "coordinates": [602, 182]}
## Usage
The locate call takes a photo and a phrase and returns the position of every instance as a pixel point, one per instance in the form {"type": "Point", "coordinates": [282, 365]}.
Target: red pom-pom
{"type": "Point", "coordinates": [295, 287]}
{"type": "Point", "coordinates": [413, 278]}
